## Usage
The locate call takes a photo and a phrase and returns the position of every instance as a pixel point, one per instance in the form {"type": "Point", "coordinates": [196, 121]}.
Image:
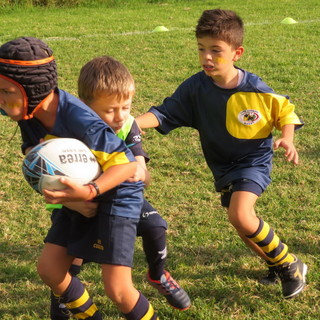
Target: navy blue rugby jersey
{"type": "Point", "coordinates": [76, 120]}
{"type": "Point", "coordinates": [235, 125]}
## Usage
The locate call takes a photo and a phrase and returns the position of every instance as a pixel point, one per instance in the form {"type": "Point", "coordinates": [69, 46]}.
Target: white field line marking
{"type": "Point", "coordinates": [149, 32]}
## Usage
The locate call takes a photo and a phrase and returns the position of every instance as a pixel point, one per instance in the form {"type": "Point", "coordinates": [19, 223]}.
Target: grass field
{"type": "Point", "coordinates": [205, 254]}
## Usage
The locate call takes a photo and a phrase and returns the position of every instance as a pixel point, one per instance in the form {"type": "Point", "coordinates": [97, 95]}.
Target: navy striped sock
{"type": "Point", "coordinates": [78, 301]}
{"type": "Point", "coordinates": [143, 310]}
{"type": "Point", "coordinates": [269, 242]}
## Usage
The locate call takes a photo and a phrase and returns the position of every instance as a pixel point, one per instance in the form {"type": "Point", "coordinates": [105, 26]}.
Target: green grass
{"type": "Point", "coordinates": [205, 254]}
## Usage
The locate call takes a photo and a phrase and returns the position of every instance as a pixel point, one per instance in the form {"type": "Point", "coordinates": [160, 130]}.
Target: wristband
{"type": "Point", "coordinates": [92, 183]}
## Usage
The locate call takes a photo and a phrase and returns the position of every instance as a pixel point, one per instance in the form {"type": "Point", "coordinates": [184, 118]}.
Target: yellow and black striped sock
{"type": "Point", "coordinates": [269, 242]}
{"type": "Point", "coordinates": [78, 301]}
{"type": "Point", "coordinates": [143, 310]}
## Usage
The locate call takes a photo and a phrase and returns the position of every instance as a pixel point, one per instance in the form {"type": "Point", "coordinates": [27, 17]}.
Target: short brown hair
{"type": "Point", "coordinates": [104, 74]}
{"type": "Point", "coordinates": [224, 25]}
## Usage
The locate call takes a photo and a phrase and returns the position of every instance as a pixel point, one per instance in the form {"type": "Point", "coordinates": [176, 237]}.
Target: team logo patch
{"type": "Point", "coordinates": [249, 117]}
{"type": "Point", "coordinates": [137, 138]}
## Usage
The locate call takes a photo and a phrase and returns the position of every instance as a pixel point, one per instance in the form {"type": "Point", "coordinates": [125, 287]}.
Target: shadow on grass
{"type": "Point", "coordinates": [222, 277]}
{"type": "Point", "coordinates": [227, 275]}
{"type": "Point", "coordinates": [18, 262]}
{"type": "Point", "coordinates": [21, 289]}
{"type": "Point", "coordinates": [23, 294]}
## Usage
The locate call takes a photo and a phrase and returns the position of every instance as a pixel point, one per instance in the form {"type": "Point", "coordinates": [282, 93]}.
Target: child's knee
{"type": "Point", "coordinates": [235, 217]}
{"type": "Point", "coordinates": [43, 269]}
{"type": "Point", "coordinates": [243, 221]}
{"type": "Point", "coordinates": [44, 273]}
{"type": "Point", "coordinates": [120, 291]}
{"type": "Point", "coordinates": [115, 293]}
{"type": "Point", "coordinates": [51, 274]}
{"type": "Point", "coordinates": [115, 296]}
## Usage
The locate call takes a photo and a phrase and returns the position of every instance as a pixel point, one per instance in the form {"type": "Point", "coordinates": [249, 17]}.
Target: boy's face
{"type": "Point", "coordinates": [217, 57]}
{"type": "Point", "coordinates": [112, 109]}
{"type": "Point", "coordinates": [11, 100]}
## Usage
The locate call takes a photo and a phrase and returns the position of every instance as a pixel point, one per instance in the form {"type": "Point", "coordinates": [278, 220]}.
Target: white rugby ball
{"type": "Point", "coordinates": [47, 162]}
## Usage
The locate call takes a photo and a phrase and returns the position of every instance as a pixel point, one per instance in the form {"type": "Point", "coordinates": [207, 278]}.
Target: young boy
{"type": "Point", "coordinates": [102, 85]}
{"type": "Point", "coordinates": [29, 95]}
{"type": "Point", "coordinates": [235, 113]}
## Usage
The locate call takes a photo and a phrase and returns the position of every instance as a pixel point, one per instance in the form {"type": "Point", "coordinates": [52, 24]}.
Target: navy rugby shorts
{"type": "Point", "coordinates": [239, 185]}
{"type": "Point", "coordinates": [104, 239]}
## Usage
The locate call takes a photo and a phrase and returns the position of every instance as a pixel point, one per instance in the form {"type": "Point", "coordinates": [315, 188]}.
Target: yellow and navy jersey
{"type": "Point", "coordinates": [76, 120]}
{"type": "Point", "coordinates": [235, 125]}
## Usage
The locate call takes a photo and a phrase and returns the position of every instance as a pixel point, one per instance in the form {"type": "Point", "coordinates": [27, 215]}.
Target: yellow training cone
{"type": "Point", "coordinates": [160, 29]}
{"type": "Point", "coordinates": [288, 21]}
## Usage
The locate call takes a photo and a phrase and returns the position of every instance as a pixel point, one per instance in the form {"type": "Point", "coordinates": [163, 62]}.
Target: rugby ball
{"type": "Point", "coordinates": [47, 162]}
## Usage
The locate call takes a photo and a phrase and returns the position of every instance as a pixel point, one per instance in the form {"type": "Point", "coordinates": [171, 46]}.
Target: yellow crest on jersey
{"type": "Point", "coordinates": [249, 115]}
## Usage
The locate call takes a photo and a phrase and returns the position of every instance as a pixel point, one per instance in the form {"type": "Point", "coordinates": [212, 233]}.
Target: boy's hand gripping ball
{"type": "Point", "coordinates": [47, 162]}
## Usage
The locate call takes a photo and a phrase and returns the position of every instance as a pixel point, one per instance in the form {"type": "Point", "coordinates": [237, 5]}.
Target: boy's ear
{"type": "Point", "coordinates": [238, 53]}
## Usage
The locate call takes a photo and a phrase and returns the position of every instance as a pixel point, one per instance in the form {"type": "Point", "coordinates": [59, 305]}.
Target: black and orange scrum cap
{"type": "Point", "coordinates": [29, 62]}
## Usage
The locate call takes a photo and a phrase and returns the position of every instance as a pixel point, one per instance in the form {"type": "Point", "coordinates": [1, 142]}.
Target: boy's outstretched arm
{"type": "Point", "coordinates": [147, 120]}
{"type": "Point", "coordinates": [286, 142]}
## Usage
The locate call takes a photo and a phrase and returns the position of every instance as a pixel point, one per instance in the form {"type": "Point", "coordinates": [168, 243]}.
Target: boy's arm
{"type": "Point", "coordinates": [286, 142]}
{"type": "Point", "coordinates": [110, 178]}
{"type": "Point", "coordinates": [147, 120]}
{"type": "Point", "coordinates": [142, 173]}
{"type": "Point", "coordinates": [134, 142]}
{"type": "Point", "coordinates": [86, 208]}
